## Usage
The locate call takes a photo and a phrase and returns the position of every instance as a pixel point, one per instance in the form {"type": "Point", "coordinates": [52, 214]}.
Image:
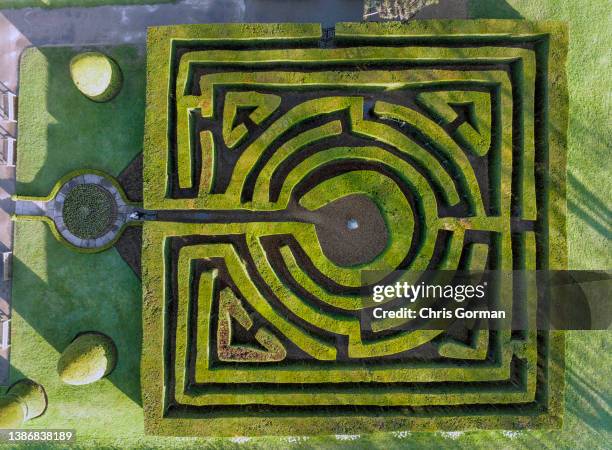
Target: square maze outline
{"type": "Point", "coordinates": [175, 203]}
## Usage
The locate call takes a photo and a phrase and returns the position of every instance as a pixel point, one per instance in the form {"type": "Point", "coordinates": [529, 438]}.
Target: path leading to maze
{"type": "Point", "coordinates": [114, 25]}
{"type": "Point", "coordinates": [351, 230]}
{"type": "Point", "coordinates": [53, 210]}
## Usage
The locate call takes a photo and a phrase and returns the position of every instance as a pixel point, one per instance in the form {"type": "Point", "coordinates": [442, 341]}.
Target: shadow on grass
{"type": "Point", "coordinates": [81, 293]}
{"type": "Point", "coordinates": [585, 396]}
{"type": "Point", "coordinates": [492, 9]}
{"type": "Point", "coordinates": [592, 210]}
{"type": "Point", "coordinates": [14, 376]}
{"type": "Point", "coordinates": [596, 414]}
{"type": "Point", "coordinates": [72, 132]}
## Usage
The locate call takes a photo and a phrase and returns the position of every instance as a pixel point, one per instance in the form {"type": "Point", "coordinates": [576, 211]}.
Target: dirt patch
{"type": "Point", "coordinates": [129, 247]}
{"type": "Point", "coordinates": [131, 179]}
{"type": "Point", "coordinates": [351, 230]}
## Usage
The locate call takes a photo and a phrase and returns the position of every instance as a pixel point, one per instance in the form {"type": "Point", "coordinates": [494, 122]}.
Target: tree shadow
{"type": "Point", "coordinates": [585, 205]}
{"type": "Point", "coordinates": [79, 293]}
{"type": "Point", "coordinates": [585, 398]}
{"type": "Point", "coordinates": [492, 9]}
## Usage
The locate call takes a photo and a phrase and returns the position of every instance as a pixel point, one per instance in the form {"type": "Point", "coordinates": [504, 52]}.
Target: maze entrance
{"type": "Point", "coordinates": [296, 163]}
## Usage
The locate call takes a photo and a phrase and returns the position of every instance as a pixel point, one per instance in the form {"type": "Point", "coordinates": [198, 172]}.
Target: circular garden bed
{"type": "Point", "coordinates": [89, 211]}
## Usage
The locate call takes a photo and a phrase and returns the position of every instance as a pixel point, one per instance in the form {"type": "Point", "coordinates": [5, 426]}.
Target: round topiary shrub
{"type": "Point", "coordinates": [32, 395]}
{"type": "Point", "coordinates": [90, 357]}
{"type": "Point", "coordinates": [12, 412]}
{"type": "Point", "coordinates": [24, 400]}
{"type": "Point", "coordinates": [96, 75]}
{"type": "Point", "coordinates": [89, 211]}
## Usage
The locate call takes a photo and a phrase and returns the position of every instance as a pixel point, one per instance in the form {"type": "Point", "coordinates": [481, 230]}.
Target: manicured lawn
{"type": "Point", "coordinates": [57, 294]}
{"type": "Point", "coordinates": [589, 74]}
{"type": "Point", "coordinates": [67, 3]}
{"type": "Point", "coordinates": [588, 390]}
{"type": "Point", "coordinates": [61, 130]}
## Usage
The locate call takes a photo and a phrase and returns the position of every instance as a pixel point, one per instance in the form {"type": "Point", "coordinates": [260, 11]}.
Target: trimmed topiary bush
{"type": "Point", "coordinates": [24, 400]}
{"type": "Point", "coordinates": [89, 211]}
{"type": "Point", "coordinates": [96, 75]}
{"type": "Point", "coordinates": [32, 395]}
{"type": "Point", "coordinates": [90, 357]}
{"type": "Point", "coordinates": [12, 412]}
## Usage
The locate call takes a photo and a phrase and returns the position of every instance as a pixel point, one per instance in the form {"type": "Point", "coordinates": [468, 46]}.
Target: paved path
{"type": "Point", "coordinates": [127, 24]}
{"type": "Point", "coordinates": [12, 43]}
{"type": "Point", "coordinates": [53, 210]}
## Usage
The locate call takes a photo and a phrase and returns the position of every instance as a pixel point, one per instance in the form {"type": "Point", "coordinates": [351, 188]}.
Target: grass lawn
{"type": "Point", "coordinates": [58, 293]}
{"type": "Point", "coordinates": [589, 75]}
{"type": "Point", "coordinates": [10, 4]}
{"type": "Point", "coordinates": [61, 130]}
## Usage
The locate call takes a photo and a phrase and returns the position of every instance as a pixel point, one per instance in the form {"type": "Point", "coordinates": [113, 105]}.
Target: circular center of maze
{"type": "Point", "coordinates": [89, 211]}
{"type": "Point", "coordinates": [351, 230]}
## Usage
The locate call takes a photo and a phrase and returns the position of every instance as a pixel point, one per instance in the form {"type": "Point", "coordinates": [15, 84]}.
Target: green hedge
{"type": "Point", "coordinates": [97, 76]}
{"type": "Point", "coordinates": [87, 359]}
{"type": "Point", "coordinates": [23, 401]}
{"type": "Point", "coordinates": [162, 42]}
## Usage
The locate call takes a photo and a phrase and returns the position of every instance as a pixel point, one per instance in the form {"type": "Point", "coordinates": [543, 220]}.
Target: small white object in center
{"type": "Point", "coordinates": [352, 224]}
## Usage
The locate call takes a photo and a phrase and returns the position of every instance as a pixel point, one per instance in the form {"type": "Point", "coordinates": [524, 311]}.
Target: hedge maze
{"type": "Point", "coordinates": [283, 164]}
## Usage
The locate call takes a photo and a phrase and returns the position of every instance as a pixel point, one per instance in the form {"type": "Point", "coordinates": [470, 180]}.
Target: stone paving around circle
{"type": "Point", "coordinates": [53, 210]}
